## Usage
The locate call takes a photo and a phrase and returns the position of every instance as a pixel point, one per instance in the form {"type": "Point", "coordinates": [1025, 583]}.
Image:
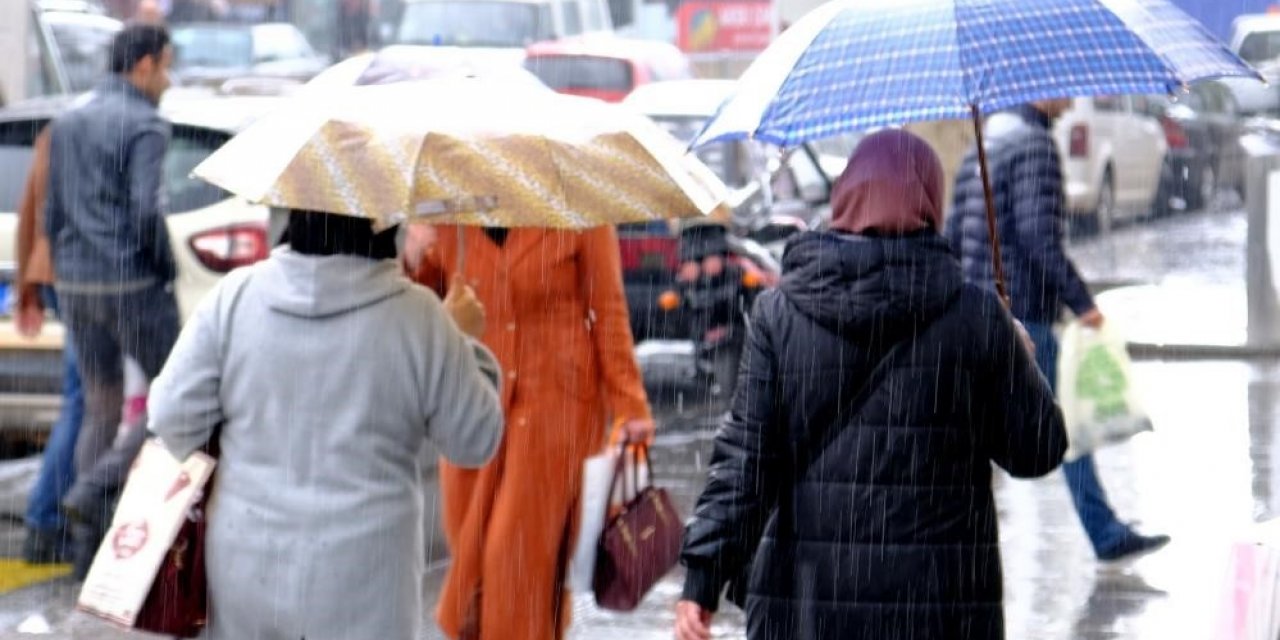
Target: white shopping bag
{"type": "Point", "coordinates": [597, 485]}
{"type": "Point", "coordinates": [157, 496]}
{"type": "Point", "coordinates": [1096, 390]}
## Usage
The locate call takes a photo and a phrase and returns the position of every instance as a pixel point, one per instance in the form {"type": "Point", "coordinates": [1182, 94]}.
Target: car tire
{"type": "Point", "coordinates": [1202, 188]}
{"type": "Point", "coordinates": [1105, 214]}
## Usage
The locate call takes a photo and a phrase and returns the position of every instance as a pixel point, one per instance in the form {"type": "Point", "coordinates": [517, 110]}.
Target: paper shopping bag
{"type": "Point", "coordinates": [157, 497]}
{"type": "Point", "coordinates": [1096, 391]}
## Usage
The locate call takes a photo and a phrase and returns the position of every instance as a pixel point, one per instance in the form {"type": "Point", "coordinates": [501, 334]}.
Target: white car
{"type": "Point", "coordinates": [1256, 39]}
{"type": "Point", "coordinates": [210, 231]}
{"type": "Point", "coordinates": [1113, 156]}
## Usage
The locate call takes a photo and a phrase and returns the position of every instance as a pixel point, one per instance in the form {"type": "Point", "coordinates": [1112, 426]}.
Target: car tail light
{"type": "Point", "coordinates": [1174, 133]}
{"type": "Point", "coordinates": [649, 253]}
{"type": "Point", "coordinates": [669, 301]}
{"type": "Point", "coordinates": [227, 248]}
{"type": "Point", "coordinates": [1080, 141]}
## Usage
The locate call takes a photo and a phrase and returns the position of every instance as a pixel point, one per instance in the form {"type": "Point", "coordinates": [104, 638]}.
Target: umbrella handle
{"type": "Point", "coordinates": [993, 235]}
{"type": "Point", "coordinates": [460, 263]}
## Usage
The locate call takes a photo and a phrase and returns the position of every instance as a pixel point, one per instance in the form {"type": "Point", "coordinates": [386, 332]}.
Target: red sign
{"type": "Point", "coordinates": [712, 26]}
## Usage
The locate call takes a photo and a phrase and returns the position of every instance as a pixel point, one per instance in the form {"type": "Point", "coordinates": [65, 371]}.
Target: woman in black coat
{"type": "Point", "coordinates": [850, 487]}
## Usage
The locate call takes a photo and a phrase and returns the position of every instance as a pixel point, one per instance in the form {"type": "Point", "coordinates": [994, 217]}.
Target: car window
{"type": "Point", "coordinates": [572, 12]}
{"type": "Point", "coordinates": [594, 16]}
{"type": "Point", "coordinates": [802, 178]}
{"type": "Point", "coordinates": [188, 148]}
{"type": "Point", "coordinates": [1109, 104]}
{"type": "Point", "coordinates": [215, 47]}
{"type": "Point", "coordinates": [16, 141]}
{"type": "Point", "coordinates": [470, 23]}
{"type": "Point", "coordinates": [83, 49]}
{"type": "Point", "coordinates": [1260, 46]}
{"type": "Point", "coordinates": [582, 72]}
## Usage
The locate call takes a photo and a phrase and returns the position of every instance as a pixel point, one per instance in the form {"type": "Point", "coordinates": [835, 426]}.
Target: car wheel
{"type": "Point", "coordinates": [1106, 212]}
{"type": "Point", "coordinates": [1202, 192]}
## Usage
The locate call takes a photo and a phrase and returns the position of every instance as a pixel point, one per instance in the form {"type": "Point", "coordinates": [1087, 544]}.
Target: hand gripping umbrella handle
{"type": "Point", "coordinates": [993, 235]}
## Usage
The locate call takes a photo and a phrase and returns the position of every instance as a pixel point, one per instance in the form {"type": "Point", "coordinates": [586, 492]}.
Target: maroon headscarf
{"type": "Point", "coordinates": [892, 186]}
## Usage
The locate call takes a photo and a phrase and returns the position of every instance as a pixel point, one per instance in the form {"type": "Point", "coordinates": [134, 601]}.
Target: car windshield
{"type": "Point", "coordinates": [83, 47]}
{"type": "Point", "coordinates": [568, 73]}
{"type": "Point", "coordinates": [1260, 46]}
{"type": "Point", "coordinates": [215, 47]}
{"type": "Point", "coordinates": [475, 24]}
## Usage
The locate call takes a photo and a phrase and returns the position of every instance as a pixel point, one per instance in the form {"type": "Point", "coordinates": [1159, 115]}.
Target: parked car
{"type": "Point", "coordinates": [210, 231]}
{"type": "Point", "coordinates": [1113, 157]}
{"type": "Point", "coordinates": [1202, 128]}
{"type": "Point", "coordinates": [767, 186]}
{"type": "Point", "coordinates": [1256, 39]}
{"type": "Point", "coordinates": [210, 54]}
{"type": "Point", "coordinates": [69, 41]}
{"type": "Point", "coordinates": [605, 66]}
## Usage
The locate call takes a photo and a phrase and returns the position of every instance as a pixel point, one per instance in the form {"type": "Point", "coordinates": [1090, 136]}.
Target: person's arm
{"type": "Point", "coordinates": [461, 393]}
{"type": "Point", "coordinates": [1022, 426]}
{"type": "Point", "coordinates": [745, 470]}
{"type": "Point", "coordinates": [146, 196]}
{"type": "Point", "coordinates": [1037, 195]}
{"type": "Point", "coordinates": [30, 307]}
{"type": "Point", "coordinates": [185, 400]}
{"type": "Point", "coordinates": [600, 271]}
{"type": "Point", "coordinates": [422, 260]}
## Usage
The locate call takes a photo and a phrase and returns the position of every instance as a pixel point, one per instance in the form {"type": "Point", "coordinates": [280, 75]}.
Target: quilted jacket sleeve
{"type": "Point", "coordinates": [1036, 188]}
{"type": "Point", "coordinates": [742, 488]}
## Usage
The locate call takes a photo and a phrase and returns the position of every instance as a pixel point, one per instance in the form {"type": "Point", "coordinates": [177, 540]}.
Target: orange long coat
{"type": "Point", "coordinates": [557, 322]}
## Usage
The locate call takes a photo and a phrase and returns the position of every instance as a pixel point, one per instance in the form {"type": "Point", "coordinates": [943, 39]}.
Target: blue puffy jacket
{"type": "Point", "coordinates": [1026, 176]}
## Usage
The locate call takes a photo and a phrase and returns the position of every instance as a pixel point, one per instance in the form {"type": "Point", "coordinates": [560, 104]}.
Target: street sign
{"type": "Point", "coordinates": [717, 26]}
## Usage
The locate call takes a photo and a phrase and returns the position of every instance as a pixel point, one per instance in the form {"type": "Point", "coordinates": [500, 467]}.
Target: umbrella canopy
{"type": "Point", "coordinates": [859, 64]}
{"type": "Point", "coordinates": [465, 151]}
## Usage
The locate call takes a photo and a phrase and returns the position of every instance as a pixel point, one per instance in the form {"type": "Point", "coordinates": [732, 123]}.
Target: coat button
{"type": "Point", "coordinates": [511, 326]}
{"type": "Point", "coordinates": [511, 375]}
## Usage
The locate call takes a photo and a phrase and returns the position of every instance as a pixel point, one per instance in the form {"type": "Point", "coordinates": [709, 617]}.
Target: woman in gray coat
{"type": "Point", "coordinates": [323, 372]}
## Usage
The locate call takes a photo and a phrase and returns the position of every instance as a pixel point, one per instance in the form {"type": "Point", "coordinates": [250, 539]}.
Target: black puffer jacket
{"type": "Point", "coordinates": [886, 529]}
{"type": "Point", "coordinates": [1026, 177]}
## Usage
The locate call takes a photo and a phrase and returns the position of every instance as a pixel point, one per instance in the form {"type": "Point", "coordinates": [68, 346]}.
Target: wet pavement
{"type": "Point", "coordinates": [1209, 471]}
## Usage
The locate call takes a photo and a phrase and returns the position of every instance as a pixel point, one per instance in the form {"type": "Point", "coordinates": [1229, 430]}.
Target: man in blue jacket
{"type": "Point", "coordinates": [113, 267]}
{"type": "Point", "coordinates": [1026, 176]}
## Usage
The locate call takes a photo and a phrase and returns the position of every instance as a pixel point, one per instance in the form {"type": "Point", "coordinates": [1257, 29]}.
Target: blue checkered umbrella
{"type": "Point", "coordinates": [853, 65]}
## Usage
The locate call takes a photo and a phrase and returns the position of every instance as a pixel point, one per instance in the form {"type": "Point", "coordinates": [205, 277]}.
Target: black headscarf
{"type": "Point", "coordinates": [315, 233]}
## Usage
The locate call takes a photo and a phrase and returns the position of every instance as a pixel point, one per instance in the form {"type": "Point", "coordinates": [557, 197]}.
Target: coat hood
{"type": "Point", "coordinates": [325, 286]}
{"type": "Point", "coordinates": [851, 283]}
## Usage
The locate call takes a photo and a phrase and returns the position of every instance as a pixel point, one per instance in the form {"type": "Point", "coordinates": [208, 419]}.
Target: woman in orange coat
{"type": "Point", "coordinates": [557, 322]}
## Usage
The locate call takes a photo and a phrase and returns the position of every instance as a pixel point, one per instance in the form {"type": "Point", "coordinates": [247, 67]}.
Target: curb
{"type": "Point", "coordinates": [1190, 352]}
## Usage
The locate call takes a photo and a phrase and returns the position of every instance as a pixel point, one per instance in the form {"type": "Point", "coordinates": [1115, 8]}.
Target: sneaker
{"type": "Point", "coordinates": [44, 547]}
{"type": "Point", "coordinates": [1132, 546]}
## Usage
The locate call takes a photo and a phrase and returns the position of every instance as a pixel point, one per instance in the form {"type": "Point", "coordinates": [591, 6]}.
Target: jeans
{"type": "Point", "coordinates": [1105, 531]}
{"type": "Point", "coordinates": [57, 468]}
{"type": "Point", "coordinates": [141, 324]}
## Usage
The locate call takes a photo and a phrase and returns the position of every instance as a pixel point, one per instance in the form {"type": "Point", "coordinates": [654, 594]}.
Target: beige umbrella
{"type": "Point", "coordinates": [466, 151]}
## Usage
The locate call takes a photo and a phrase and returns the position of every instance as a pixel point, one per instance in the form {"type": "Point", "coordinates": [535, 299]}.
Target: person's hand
{"type": "Point", "coordinates": [1025, 336]}
{"type": "Point", "coordinates": [465, 308]}
{"type": "Point", "coordinates": [639, 430]}
{"type": "Point", "coordinates": [418, 240]}
{"type": "Point", "coordinates": [29, 318]}
{"type": "Point", "coordinates": [1092, 319]}
{"type": "Point", "coordinates": [692, 621]}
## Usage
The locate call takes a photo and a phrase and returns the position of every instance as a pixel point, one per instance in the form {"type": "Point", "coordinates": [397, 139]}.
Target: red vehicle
{"type": "Point", "coordinates": [604, 66]}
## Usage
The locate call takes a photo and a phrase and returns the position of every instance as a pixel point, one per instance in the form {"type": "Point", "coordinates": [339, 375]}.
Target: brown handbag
{"type": "Point", "coordinates": [640, 544]}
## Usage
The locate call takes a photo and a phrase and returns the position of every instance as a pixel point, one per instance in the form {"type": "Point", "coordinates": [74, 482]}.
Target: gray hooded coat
{"type": "Point", "coordinates": [327, 375]}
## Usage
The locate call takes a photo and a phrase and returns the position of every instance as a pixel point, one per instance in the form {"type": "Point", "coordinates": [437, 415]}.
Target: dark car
{"type": "Point", "coordinates": [1203, 129]}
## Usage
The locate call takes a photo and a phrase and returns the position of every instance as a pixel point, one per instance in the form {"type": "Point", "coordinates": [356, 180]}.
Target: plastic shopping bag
{"type": "Point", "coordinates": [1250, 605]}
{"type": "Point", "coordinates": [1096, 391]}
{"type": "Point", "coordinates": [595, 505]}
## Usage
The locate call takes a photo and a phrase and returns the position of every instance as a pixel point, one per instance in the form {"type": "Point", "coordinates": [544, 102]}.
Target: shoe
{"type": "Point", "coordinates": [1132, 546]}
{"type": "Point", "coordinates": [45, 547]}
